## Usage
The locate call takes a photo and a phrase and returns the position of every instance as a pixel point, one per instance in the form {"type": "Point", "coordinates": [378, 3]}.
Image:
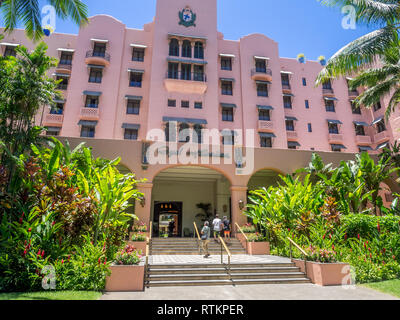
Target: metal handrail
{"type": "Point", "coordinates": [151, 230]}
{"type": "Point", "coordinates": [261, 70]}
{"type": "Point", "coordinates": [198, 236]}
{"type": "Point", "coordinates": [224, 246]}
{"type": "Point", "coordinates": [98, 54]}
{"type": "Point", "coordinates": [240, 229]}
{"type": "Point", "coordinates": [301, 250]}
{"type": "Point", "coordinates": [148, 240]}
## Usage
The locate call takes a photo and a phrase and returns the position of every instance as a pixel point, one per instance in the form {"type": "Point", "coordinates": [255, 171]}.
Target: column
{"type": "Point", "coordinates": [239, 202]}
{"type": "Point", "coordinates": [143, 207]}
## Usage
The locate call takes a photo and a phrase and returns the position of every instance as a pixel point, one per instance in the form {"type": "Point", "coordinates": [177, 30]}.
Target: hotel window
{"type": "Point", "coordinates": [228, 137]}
{"type": "Point", "coordinates": [262, 90]}
{"type": "Point", "coordinates": [327, 85]}
{"type": "Point", "coordinates": [96, 75]}
{"type": "Point", "coordinates": [197, 134]}
{"type": "Point", "coordinates": [329, 106]}
{"type": "Point", "coordinates": [354, 108]}
{"type": "Point", "coordinates": [198, 73]}
{"type": "Point", "coordinates": [336, 148]}
{"type": "Point", "coordinates": [265, 142]}
{"type": "Point", "coordinates": [285, 80]}
{"type": "Point", "coordinates": [92, 102]}
{"type": "Point", "coordinates": [287, 102]}
{"type": "Point", "coordinates": [359, 130]}
{"type": "Point", "coordinates": [87, 131]}
{"type": "Point", "coordinates": [307, 103]}
{"type": "Point", "coordinates": [66, 58]}
{"type": "Point", "coordinates": [377, 106]}
{"type": "Point", "coordinates": [261, 65]}
{"type": "Point", "coordinates": [133, 107]}
{"type": "Point", "coordinates": [198, 105]}
{"type": "Point", "coordinates": [173, 72]}
{"type": "Point", "coordinates": [291, 145]}
{"type": "Point", "coordinates": [185, 104]}
{"type": "Point", "coordinates": [171, 103]}
{"type": "Point", "coordinates": [198, 50]}
{"type": "Point", "coordinates": [174, 48]}
{"type": "Point", "coordinates": [138, 54]}
{"type": "Point", "coordinates": [170, 132]}
{"type": "Point", "coordinates": [99, 50]}
{"type": "Point", "coordinates": [309, 127]}
{"type": "Point", "coordinates": [184, 132]}
{"type": "Point", "coordinates": [333, 128]}
{"type": "Point", "coordinates": [264, 115]}
{"type": "Point", "coordinates": [226, 63]}
{"type": "Point", "coordinates": [227, 114]}
{"type": "Point", "coordinates": [304, 82]}
{"type": "Point", "coordinates": [63, 85]}
{"type": "Point", "coordinates": [57, 109]}
{"type": "Point", "coordinates": [186, 71]}
{"type": "Point", "coordinates": [136, 79]}
{"type": "Point", "coordinates": [289, 125]}
{"type": "Point", "coordinates": [10, 51]}
{"type": "Point", "coordinates": [186, 49]}
{"type": "Point", "coordinates": [227, 88]}
{"type": "Point", "coordinates": [131, 134]}
{"type": "Point", "coordinates": [380, 126]}
{"type": "Point", "coordinates": [53, 132]}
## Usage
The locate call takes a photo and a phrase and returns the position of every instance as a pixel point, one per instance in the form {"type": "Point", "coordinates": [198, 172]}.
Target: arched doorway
{"type": "Point", "coordinates": [186, 194]}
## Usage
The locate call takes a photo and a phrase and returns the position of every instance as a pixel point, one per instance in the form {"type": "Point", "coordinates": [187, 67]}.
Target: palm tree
{"type": "Point", "coordinates": [28, 12]}
{"type": "Point", "coordinates": [364, 51]}
{"type": "Point", "coordinates": [380, 80]}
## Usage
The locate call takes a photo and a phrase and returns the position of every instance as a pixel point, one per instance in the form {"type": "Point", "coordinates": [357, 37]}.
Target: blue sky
{"type": "Point", "coordinates": [299, 26]}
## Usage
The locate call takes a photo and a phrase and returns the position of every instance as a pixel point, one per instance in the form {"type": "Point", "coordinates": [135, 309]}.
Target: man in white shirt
{"type": "Point", "coordinates": [217, 224]}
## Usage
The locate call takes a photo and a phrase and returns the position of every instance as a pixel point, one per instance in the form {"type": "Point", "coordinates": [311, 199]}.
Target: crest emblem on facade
{"type": "Point", "coordinates": [187, 18]}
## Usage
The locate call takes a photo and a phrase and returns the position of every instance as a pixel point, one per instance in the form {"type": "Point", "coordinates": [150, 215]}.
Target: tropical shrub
{"type": "Point", "coordinates": [256, 237]}
{"type": "Point", "coordinates": [248, 228]}
{"type": "Point", "coordinates": [138, 236]}
{"type": "Point", "coordinates": [140, 227]}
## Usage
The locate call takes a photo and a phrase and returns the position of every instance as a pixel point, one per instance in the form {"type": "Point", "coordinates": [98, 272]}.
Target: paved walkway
{"type": "Point", "coordinates": [253, 292]}
{"type": "Point", "coordinates": [215, 259]}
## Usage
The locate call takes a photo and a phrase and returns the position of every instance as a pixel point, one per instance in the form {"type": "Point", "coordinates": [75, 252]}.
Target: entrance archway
{"type": "Point", "coordinates": [188, 194]}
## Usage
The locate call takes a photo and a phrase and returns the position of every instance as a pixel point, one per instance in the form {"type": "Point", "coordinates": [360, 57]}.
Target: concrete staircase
{"type": "Point", "coordinates": [189, 246]}
{"type": "Point", "coordinates": [217, 274]}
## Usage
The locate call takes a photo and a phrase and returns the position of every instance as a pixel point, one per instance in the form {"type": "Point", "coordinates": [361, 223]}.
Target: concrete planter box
{"type": "Point", "coordinates": [125, 278]}
{"type": "Point", "coordinates": [241, 238]}
{"type": "Point", "coordinates": [139, 245]}
{"type": "Point", "coordinates": [258, 248]}
{"type": "Point", "coordinates": [326, 274]}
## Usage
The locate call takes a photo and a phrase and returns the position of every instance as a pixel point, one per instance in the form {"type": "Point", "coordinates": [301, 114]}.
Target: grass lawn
{"type": "Point", "coordinates": [391, 287]}
{"type": "Point", "coordinates": [47, 295]}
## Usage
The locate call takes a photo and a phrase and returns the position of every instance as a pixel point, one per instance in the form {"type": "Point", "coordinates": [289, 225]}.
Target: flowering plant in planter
{"type": "Point", "coordinates": [322, 60]}
{"type": "Point", "coordinates": [128, 256]}
{"type": "Point", "coordinates": [256, 237]}
{"type": "Point", "coordinates": [249, 228]}
{"type": "Point", "coordinates": [139, 236]}
{"type": "Point", "coordinates": [321, 255]}
{"type": "Point", "coordinates": [301, 58]}
{"type": "Point", "coordinates": [141, 227]}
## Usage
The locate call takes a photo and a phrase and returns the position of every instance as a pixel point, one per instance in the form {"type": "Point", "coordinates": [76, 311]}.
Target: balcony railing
{"type": "Point", "coordinates": [363, 140]}
{"type": "Point", "coordinates": [90, 113]}
{"type": "Point", "coordinates": [286, 86]}
{"type": "Point", "coordinates": [54, 119]}
{"type": "Point", "coordinates": [292, 135]}
{"type": "Point", "coordinates": [188, 76]}
{"type": "Point", "coordinates": [353, 93]}
{"type": "Point", "coordinates": [334, 137]}
{"type": "Point", "coordinates": [98, 54]}
{"type": "Point", "coordinates": [65, 66]}
{"type": "Point", "coordinates": [262, 71]}
{"type": "Point", "coordinates": [327, 91]}
{"type": "Point", "coordinates": [381, 136]}
{"type": "Point", "coordinates": [265, 125]}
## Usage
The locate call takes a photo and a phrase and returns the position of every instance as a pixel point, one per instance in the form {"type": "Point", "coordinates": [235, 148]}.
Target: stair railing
{"type": "Point", "coordinates": [241, 231]}
{"type": "Point", "coordinates": [305, 255]}
{"type": "Point", "coordinates": [148, 241]}
{"type": "Point", "coordinates": [224, 246]}
{"type": "Point", "coordinates": [198, 237]}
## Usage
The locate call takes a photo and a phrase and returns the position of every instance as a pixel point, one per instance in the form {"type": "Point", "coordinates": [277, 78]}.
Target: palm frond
{"type": "Point", "coordinates": [75, 9]}
{"type": "Point", "coordinates": [393, 103]}
{"type": "Point", "coordinates": [373, 95]}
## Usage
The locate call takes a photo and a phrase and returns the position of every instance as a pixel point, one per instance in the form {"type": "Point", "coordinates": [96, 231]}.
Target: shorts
{"type": "Point", "coordinates": [227, 232]}
{"type": "Point", "coordinates": [217, 233]}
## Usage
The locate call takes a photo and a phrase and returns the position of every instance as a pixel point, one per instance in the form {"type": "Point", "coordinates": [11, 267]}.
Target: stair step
{"type": "Point", "coordinates": [219, 276]}
{"type": "Point", "coordinates": [208, 265]}
{"type": "Point", "coordinates": [226, 282]}
{"type": "Point", "coordinates": [223, 270]}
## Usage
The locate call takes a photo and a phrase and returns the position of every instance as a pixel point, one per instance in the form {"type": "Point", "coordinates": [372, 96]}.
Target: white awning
{"type": "Point", "coordinates": [228, 55]}
{"type": "Point", "coordinates": [99, 40]}
{"type": "Point", "coordinates": [140, 46]}
{"type": "Point", "coordinates": [9, 44]}
{"type": "Point", "coordinates": [66, 50]}
{"type": "Point", "coordinates": [286, 72]}
{"type": "Point", "coordinates": [261, 58]}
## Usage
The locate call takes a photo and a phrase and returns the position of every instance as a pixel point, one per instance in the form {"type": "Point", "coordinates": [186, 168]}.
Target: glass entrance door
{"type": "Point", "coordinates": [167, 219]}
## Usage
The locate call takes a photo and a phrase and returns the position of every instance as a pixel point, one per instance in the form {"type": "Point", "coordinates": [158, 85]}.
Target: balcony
{"type": "Point", "coordinates": [381, 137]}
{"type": "Point", "coordinates": [190, 83]}
{"type": "Point", "coordinates": [286, 88]}
{"type": "Point", "coordinates": [264, 125]}
{"type": "Point", "coordinates": [97, 57]}
{"type": "Point", "coordinates": [363, 140]}
{"type": "Point", "coordinates": [64, 67]}
{"type": "Point", "coordinates": [53, 120]}
{"type": "Point", "coordinates": [327, 92]}
{"type": "Point", "coordinates": [261, 74]}
{"type": "Point", "coordinates": [292, 135]}
{"type": "Point", "coordinates": [353, 93]}
{"type": "Point", "coordinates": [335, 138]}
{"type": "Point", "coordinates": [90, 113]}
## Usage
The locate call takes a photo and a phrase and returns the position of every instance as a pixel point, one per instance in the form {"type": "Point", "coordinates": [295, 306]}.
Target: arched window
{"type": "Point", "coordinates": [184, 132]}
{"type": "Point", "coordinates": [174, 48]}
{"type": "Point", "coordinates": [198, 50]}
{"type": "Point", "coordinates": [186, 49]}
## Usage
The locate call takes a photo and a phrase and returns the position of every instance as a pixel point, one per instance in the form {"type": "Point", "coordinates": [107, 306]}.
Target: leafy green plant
{"type": "Point", "coordinates": [138, 237]}
{"type": "Point", "coordinates": [128, 256]}
{"type": "Point", "coordinates": [256, 237]}
{"type": "Point", "coordinates": [248, 228]}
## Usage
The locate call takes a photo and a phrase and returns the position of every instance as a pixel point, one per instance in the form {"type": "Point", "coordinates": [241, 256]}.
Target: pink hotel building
{"type": "Point", "coordinates": [119, 83]}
